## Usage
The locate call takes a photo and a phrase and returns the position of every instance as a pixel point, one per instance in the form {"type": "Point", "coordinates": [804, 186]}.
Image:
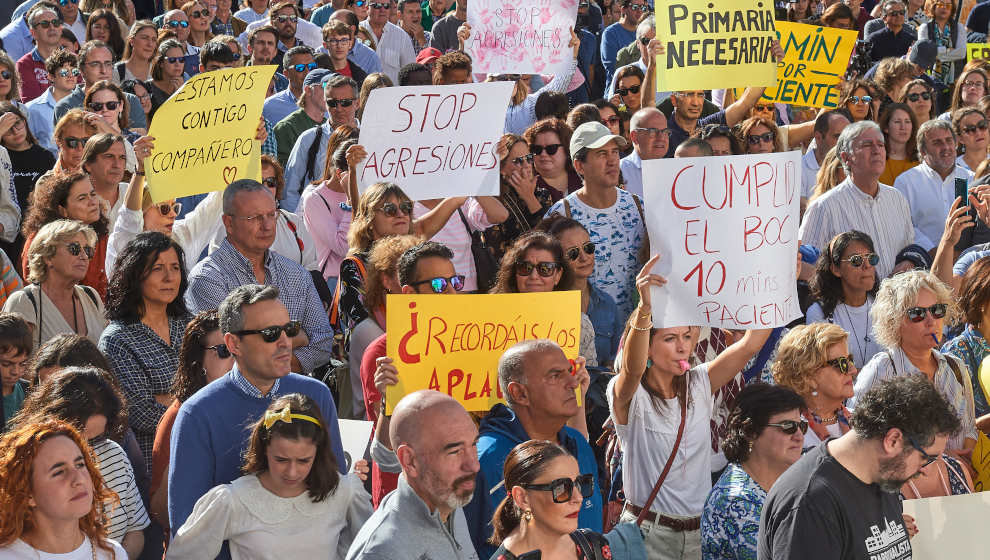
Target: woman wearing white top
{"type": "Point", "coordinates": [844, 286]}
{"type": "Point", "coordinates": [654, 393]}
{"type": "Point", "coordinates": [292, 503]}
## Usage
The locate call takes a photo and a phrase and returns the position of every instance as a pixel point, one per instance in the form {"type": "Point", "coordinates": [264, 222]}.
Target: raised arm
{"type": "Point", "coordinates": [636, 349]}
{"type": "Point", "coordinates": [733, 359]}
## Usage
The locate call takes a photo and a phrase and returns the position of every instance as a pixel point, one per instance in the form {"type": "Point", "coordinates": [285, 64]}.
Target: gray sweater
{"type": "Point", "coordinates": [445, 33]}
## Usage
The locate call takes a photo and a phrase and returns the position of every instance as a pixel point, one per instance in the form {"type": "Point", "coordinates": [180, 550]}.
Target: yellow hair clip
{"type": "Point", "coordinates": [286, 415]}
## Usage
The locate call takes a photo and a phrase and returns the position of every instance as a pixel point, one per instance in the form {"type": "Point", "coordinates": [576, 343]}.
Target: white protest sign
{"type": "Point", "coordinates": [948, 526]}
{"type": "Point", "coordinates": [435, 141]}
{"type": "Point", "coordinates": [726, 230]}
{"type": "Point", "coordinates": [528, 37]}
{"type": "Point", "coordinates": [355, 435]}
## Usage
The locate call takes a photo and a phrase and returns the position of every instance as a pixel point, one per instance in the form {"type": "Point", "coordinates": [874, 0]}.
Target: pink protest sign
{"type": "Point", "coordinates": [528, 37]}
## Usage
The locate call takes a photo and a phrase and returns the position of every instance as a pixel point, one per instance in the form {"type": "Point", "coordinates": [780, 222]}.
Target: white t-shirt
{"type": "Point", "coordinates": [648, 438]}
{"type": "Point", "coordinates": [20, 550]}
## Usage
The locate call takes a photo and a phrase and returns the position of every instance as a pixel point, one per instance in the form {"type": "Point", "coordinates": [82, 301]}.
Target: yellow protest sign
{"type": "Point", "coordinates": [977, 51]}
{"type": "Point", "coordinates": [981, 463]}
{"type": "Point", "coordinates": [815, 58]}
{"type": "Point", "coordinates": [715, 44]}
{"type": "Point", "coordinates": [205, 133]}
{"type": "Point", "coordinates": [452, 343]}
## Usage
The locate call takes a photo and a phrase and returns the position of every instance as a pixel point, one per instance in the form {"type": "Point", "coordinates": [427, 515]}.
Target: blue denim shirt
{"type": "Point", "coordinates": [608, 323]}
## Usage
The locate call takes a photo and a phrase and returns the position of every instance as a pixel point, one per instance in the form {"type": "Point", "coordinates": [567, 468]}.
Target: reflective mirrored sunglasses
{"type": "Point", "coordinates": [439, 284]}
{"type": "Point", "coordinates": [842, 363]}
{"type": "Point", "coordinates": [544, 269]}
{"type": "Point", "coordinates": [174, 24]}
{"type": "Point", "coordinates": [562, 489]}
{"type": "Point", "coordinates": [917, 314]}
{"type": "Point", "coordinates": [860, 100]}
{"type": "Point", "coordinates": [789, 427]}
{"type": "Point", "coordinates": [304, 67]}
{"type": "Point", "coordinates": [574, 252]}
{"type": "Point", "coordinates": [66, 72]}
{"type": "Point", "coordinates": [392, 209]}
{"type": "Point", "coordinates": [274, 332]}
{"type": "Point", "coordinates": [857, 260]}
{"type": "Point", "coordinates": [75, 248]}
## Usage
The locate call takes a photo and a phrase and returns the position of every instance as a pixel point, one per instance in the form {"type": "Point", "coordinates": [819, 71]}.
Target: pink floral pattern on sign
{"type": "Point", "coordinates": [528, 37]}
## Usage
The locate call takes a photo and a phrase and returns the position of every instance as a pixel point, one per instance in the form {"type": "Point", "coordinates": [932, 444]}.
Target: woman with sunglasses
{"type": "Point", "coordinates": [139, 52]}
{"type": "Point", "coordinates": [908, 318]}
{"type": "Point", "coordinates": [720, 137]}
{"type": "Point", "coordinates": [844, 287]}
{"type": "Point", "coordinates": [199, 23]}
{"type": "Point", "coordinates": [857, 98]}
{"type": "Point", "coordinates": [57, 301]}
{"type": "Point", "coordinates": [628, 81]}
{"type": "Point", "coordinates": [167, 72]}
{"type": "Point", "coordinates": [203, 358]}
{"type": "Point", "coordinates": [292, 501]}
{"type": "Point", "coordinates": [148, 316]}
{"type": "Point", "coordinates": [920, 97]}
{"type": "Point", "coordinates": [764, 436]}
{"type": "Point", "coordinates": [549, 141]}
{"type": "Point", "coordinates": [950, 36]}
{"type": "Point", "coordinates": [970, 125]}
{"type": "Point", "coordinates": [10, 82]}
{"type": "Point", "coordinates": [898, 124]}
{"type": "Point", "coordinates": [545, 490]}
{"type": "Point", "coordinates": [139, 89]}
{"type": "Point", "coordinates": [759, 135]}
{"type": "Point", "coordinates": [107, 101]}
{"type": "Point", "coordinates": [102, 25]}
{"type": "Point", "coordinates": [612, 118]}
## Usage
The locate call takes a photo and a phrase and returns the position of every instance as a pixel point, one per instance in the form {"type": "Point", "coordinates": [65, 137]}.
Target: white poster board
{"type": "Point", "coordinates": [726, 230]}
{"type": "Point", "coordinates": [355, 436]}
{"type": "Point", "coordinates": [528, 37]}
{"type": "Point", "coordinates": [435, 141]}
{"type": "Point", "coordinates": [949, 526]}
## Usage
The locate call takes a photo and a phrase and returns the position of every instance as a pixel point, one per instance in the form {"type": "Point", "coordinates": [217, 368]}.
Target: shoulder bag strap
{"type": "Point", "coordinates": [292, 228]}
{"type": "Point", "coordinates": [326, 261]}
{"type": "Point", "coordinates": [567, 207]}
{"type": "Point", "coordinates": [639, 206]}
{"type": "Point", "coordinates": [590, 551]}
{"type": "Point", "coordinates": [666, 468]}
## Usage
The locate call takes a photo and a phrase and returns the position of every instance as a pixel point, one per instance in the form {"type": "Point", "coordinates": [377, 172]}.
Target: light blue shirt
{"type": "Point", "coordinates": [365, 57]}
{"type": "Point", "coordinates": [23, 9]}
{"type": "Point", "coordinates": [321, 15]}
{"type": "Point", "coordinates": [16, 39]}
{"type": "Point", "coordinates": [632, 173]}
{"type": "Point", "coordinates": [280, 105]}
{"type": "Point", "coordinates": [40, 110]}
{"type": "Point", "coordinates": [295, 168]}
{"type": "Point", "coordinates": [247, 15]}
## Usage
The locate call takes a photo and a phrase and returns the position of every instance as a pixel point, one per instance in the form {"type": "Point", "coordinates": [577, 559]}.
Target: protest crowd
{"type": "Point", "coordinates": [183, 373]}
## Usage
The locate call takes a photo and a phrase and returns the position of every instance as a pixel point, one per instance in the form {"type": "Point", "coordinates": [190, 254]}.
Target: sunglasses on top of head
{"type": "Point", "coordinates": [562, 489]}
{"type": "Point", "coordinates": [439, 284]}
{"type": "Point", "coordinates": [917, 314]}
{"type": "Point", "coordinates": [274, 332]}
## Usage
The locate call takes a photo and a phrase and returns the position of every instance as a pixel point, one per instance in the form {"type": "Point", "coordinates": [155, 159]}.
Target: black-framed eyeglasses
{"type": "Point", "coordinates": [551, 149]}
{"type": "Point", "coordinates": [66, 72]}
{"type": "Point", "coordinates": [392, 209]}
{"type": "Point", "coordinates": [917, 314]}
{"type": "Point", "coordinates": [274, 332]}
{"type": "Point", "coordinates": [97, 106]}
{"type": "Point", "coordinates": [544, 269]}
{"type": "Point", "coordinates": [46, 23]}
{"type": "Point", "coordinates": [857, 260]}
{"type": "Point", "coordinates": [304, 67]}
{"type": "Point", "coordinates": [336, 42]}
{"type": "Point", "coordinates": [74, 143]}
{"type": "Point", "coordinates": [221, 349]}
{"type": "Point", "coordinates": [789, 427]}
{"type": "Point", "coordinates": [842, 363]}
{"type": "Point", "coordinates": [982, 125]}
{"type": "Point", "coordinates": [913, 97]}
{"type": "Point", "coordinates": [860, 100]}
{"type": "Point", "coordinates": [626, 91]}
{"type": "Point", "coordinates": [439, 284]}
{"type": "Point", "coordinates": [75, 248]}
{"type": "Point", "coordinates": [929, 459]}
{"type": "Point", "coordinates": [651, 132]}
{"type": "Point", "coordinates": [528, 158]}
{"type": "Point", "coordinates": [164, 208]}
{"type": "Point", "coordinates": [756, 139]}
{"type": "Point", "coordinates": [562, 489]}
{"type": "Point", "coordinates": [332, 103]}
{"type": "Point", "coordinates": [176, 23]}
{"type": "Point", "coordinates": [573, 253]}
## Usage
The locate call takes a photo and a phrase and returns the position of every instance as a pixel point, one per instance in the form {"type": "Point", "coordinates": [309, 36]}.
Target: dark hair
{"type": "Point", "coordinates": [15, 334]}
{"type": "Point", "coordinates": [190, 376]}
{"type": "Point", "coordinates": [692, 142]}
{"type": "Point", "coordinates": [216, 51]}
{"type": "Point", "coordinates": [824, 120]}
{"type": "Point", "coordinates": [719, 131]}
{"type": "Point", "coordinates": [826, 287]}
{"type": "Point", "coordinates": [974, 291]}
{"type": "Point", "coordinates": [8, 107]}
{"type": "Point", "coordinates": [902, 96]}
{"type": "Point", "coordinates": [454, 60]}
{"type": "Point", "coordinates": [116, 40]}
{"type": "Point", "coordinates": [583, 113]}
{"type": "Point", "coordinates": [755, 404]}
{"type": "Point", "coordinates": [850, 90]}
{"type": "Point", "coordinates": [562, 129]}
{"type": "Point", "coordinates": [505, 282]}
{"type": "Point", "coordinates": [59, 58]}
{"type": "Point", "coordinates": [888, 113]}
{"type": "Point", "coordinates": [67, 350]}
{"type": "Point", "coordinates": [51, 193]}
{"type": "Point", "coordinates": [294, 51]}
{"type": "Point", "coordinates": [124, 300]}
{"type": "Point", "coordinates": [118, 93]}
{"type": "Point", "coordinates": [128, 86]}
{"type": "Point", "coordinates": [605, 104]}
{"type": "Point", "coordinates": [279, 174]}
{"type": "Point", "coordinates": [74, 394]}
{"type": "Point", "coordinates": [524, 464]}
{"type": "Point", "coordinates": [410, 68]}
{"type": "Point", "coordinates": [552, 104]}
{"type": "Point", "coordinates": [837, 11]}
{"type": "Point", "coordinates": [557, 224]}
{"type": "Point", "coordinates": [265, 28]}
{"type": "Point", "coordinates": [323, 475]}
{"type": "Point", "coordinates": [909, 403]}
{"type": "Point", "coordinates": [99, 144]}
{"type": "Point", "coordinates": [410, 259]}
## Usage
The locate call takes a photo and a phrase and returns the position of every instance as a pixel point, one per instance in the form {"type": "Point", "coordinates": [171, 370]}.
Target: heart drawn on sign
{"type": "Point", "coordinates": [228, 174]}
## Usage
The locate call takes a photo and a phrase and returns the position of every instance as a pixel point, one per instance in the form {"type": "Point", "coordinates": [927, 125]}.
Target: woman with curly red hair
{"type": "Point", "coordinates": [51, 495]}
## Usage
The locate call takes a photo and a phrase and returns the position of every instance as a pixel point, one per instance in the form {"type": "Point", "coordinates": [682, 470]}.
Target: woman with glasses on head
{"type": "Point", "coordinates": [148, 316]}
{"type": "Point", "coordinates": [167, 72]}
{"type": "Point", "coordinates": [970, 125]}
{"type": "Point", "coordinates": [545, 490]}
{"type": "Point", "coordinates": [199, 23]}
{"type": "Point", "coordinates": [103, 25]}
{"type": "Point", "coordinates": [139, 52]}
{"type": "Point", "coordinates": [764, 436]}
{"type": "Point", "coordinates": [920, 97]}
{"type": "Point", "coordinates": [720, 137]}
{"type": "Point", "coordinates": [950, 36]}
{"type": "Point", "coordinates": [844, 287]}
{"type": "Point", "coordinates": [759, 135]}
{"type": "Point", "coordinates": [908, 317]}
{"type": "Point", "coordinates": [857, 98]}
{"type": "Point", "coordinates": [57, 300]}
{"type": "Point", "coordinates": [898, 124]}
{"type": "Point", "coordinates": [203, 358]}
{"type": "Point", "coordinates": [549, 141]}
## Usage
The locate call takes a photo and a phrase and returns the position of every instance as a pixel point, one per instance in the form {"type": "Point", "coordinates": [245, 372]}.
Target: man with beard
{"type": "Point", "coordinates": [840, 500]}
{"type": "Point", "coordinates": [436, 443]}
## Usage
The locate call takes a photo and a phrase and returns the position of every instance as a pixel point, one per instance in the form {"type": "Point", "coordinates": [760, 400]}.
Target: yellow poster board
{"type": "Point", "coordinates": [452, 343]}
{"type": "Point", "coordinates": [715, 45]}
{"type": "Point", "coordinates": [815, 58]}
{"type": "Point", "coordinates": [977, 51]}
{"type": "Point", "coordinates": [205, 133]}
{"type": "Point", "coordinates": [981, 463]}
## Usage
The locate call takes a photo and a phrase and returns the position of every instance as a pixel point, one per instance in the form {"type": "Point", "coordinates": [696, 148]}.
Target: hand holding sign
{"type": "Point", "coordinates": [142, 149]}
{"type": "Point", "coordinates": [521, 36]}
{"type": "Point", "coordinates": [645, 280]}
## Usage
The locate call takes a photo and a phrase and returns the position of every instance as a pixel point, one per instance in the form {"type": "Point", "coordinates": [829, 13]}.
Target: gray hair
{"type": "Point", "coordinates": [46, 242]}
{"type": "Point", "coordinates": [231, 312]}
{"type": "Point", "coordinates": [42, 7]}
{"type": "Point", "coordinates": [298, 49]}
{"type": "Point", "coordinates": [338, 80]}
{"type": "Point", "coordinates": [237, 187]}
{"type": "Point", "coordinates": [899, 293]}
{"type": "Point", "coordinates": [512, 364]}
{"type": "Point", "coordinates": [641, 115]}
{"type": "Point", "coordinates": [645, 26]}
{"type": "Point", "coordinates": [850, 134]}
{"type": "Point", "coordinates": [929, 126]}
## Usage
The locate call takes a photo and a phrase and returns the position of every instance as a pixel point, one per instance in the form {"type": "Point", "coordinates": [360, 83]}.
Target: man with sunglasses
{"type": "Point", "coordinates": [895, 38]}
{"type": "Point", "coordinates": [208, 438]}
{"type": "Point", "coordinates": [296, 64]}
{"type": "Point", "coordinates": [46, 29]}
{"type": "Point", "coordinates": [930, 187]}
{"type": "Point", "coordinates": [621, 33]}
{"type": "Point", "coordinates": [650, 139]}
{"type": "Point", "coordinates": [311, 111]}
{"type": "Point", "coordinates": [828, 126]}
{"type": "Point", "coordinates": [538, 382]}
{"type": "Point", "coordinates": [840, 500]}
{"type": "Point", "coordinates": [394, 46]}
{"type": "Point", "coordinates": [63, 76]}
{"type": "Point", "coordinates": [95, 64]}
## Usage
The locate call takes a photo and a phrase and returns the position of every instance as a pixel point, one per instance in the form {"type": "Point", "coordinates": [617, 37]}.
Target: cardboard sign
{"type": "Point", "coordinates": [452, 344]}
{"type": "Point", "coordinates": [530, 37]}
{"type": "Point", "coordinates": [355, 438]}
{"type": "Point", "coordinates": [949, 526]}
{"type": "Point", "coordinates": [715, 45]}
{"type": "Point", "coordinates": [977, 51]}
{"type": "Point", "coordinates": [205, 133]}
{"type": "Point", "coordinates": [726, 228]}
{"type": "Point", "coordinates": [815, 58]}
{"type": "Point", "coordinates": [435, 141]}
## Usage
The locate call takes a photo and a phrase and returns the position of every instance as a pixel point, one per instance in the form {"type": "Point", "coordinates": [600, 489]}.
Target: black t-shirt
{"type": "Point", "coordinates": [28, 166]}
{"type": "Point", "coordinates": [818, 510]}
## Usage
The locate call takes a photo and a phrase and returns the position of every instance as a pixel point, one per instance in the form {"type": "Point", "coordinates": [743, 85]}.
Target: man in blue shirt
{"type": "Point", "coordinates": [621, 33]}
{"type": "Point", "coordinates": [283, 103]}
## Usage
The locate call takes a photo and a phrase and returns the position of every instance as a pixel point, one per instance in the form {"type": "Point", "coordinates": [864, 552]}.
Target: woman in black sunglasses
{"type": "Point", "coordinates": [549, 141]}
{"type": "Point", "coordinates": [106, 99]}
{"type": "Point", "coordinates": [759, 135]}
{"type": "Point", "coordinates": [764, 436]}
{"type": "Point", "coordinates": [203, 358]}
{"type": "Point", "coordinates": [909, 315]}
{"type": "Point", "coordinates": [539, 514]}
{"type": "Point", "coordinates": [970, 125]}
{"type": "Point", "coordinates": [10, 82]}
{"type": "Point", "coordinates": [167, 73]}
{"type": "Point", "coordinates": [920, 97]}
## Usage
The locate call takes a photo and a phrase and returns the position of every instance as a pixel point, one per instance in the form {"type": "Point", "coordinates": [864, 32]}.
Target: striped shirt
{"type": "Point", "coordinates": [129, 515]}
{"type": "Point", "coordinates": [886, 218]}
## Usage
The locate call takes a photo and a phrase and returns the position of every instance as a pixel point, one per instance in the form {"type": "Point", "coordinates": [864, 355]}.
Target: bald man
{"type": "Point", "coordinates": [436, 444]}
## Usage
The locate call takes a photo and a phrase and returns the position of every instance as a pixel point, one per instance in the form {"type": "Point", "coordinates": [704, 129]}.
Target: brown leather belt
{"type": "Point", "coordinates": [679, 525]}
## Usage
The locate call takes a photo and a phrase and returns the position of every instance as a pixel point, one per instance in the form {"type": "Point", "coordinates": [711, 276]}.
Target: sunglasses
{"type": "Point", "coordinates": [392, 209]}
{"type": "Point", "coordinates": [528, 158]}
{"type": "Point", "coordinates": [6, 74]}
{"type": "Point", "coordinates": [573, 253]}
{"type": "Point", "coordinates": [917, 314]}
{"type": "Point", "coordinates": [644, 41]}
{"type": "Point", "coordinates": [198, 14]}
{"type": "Point", "coordinates": [763, 108]}
{"type": "Point", "coordinates": [274, 332]}
{"type": "Point", "coordinates": [303, 67]}
{"type": "Point", "coordinates": [65, 72]}
{"type": "Point", "coordinates": [626, 91]}
{"type": "Point", "coordinates": [378, 6]}
{"type": "Point", "coordinates": [860, 100]}
{"type": "Point", "coordinates": [360, 3]}
{"type": "Point", "coordinates": [544, 269]}
{"type": "Point", "coordinates": [563, 488]}
{"type": "Point", "coordinates": [178, 24]}
{"type": "Point", "coordinates": [110, 105]}
{"type": "Point", "coordinates": [982, 125]}
{"type": "Point", "coordinates": [74, 143]}
{"type": "Point", "coordinates": [896, 13]}
{"type": "Point", "coordinates": [842, 363]}
{"type": "Point", "coordinates": [653, 131]}
{"type": "Point", "coordinates": [67, 2]}
{"type": "Point", "coordinates": [439, 284]}
{"type": "Point", "coordinates": [285, 17]}
{"type": "Point", "coordinates": [75, 248]}
{"type": "Point", "coordinates": [270, 182]}
{"type": "Point", "coordinates": [857, 260]}
{"type": "Point", "coordinates": [755, 139]}
{"type": "Point", "coordinates": [551, 149]}
{"type": "Point", "coordinates": [639, 7]}
{"type": "Point", "coordinates": [929, 459]}
{"type": "Point", "coordinates": [175, 59]}
{"type": "Point", "coordinates": [221, 349]}
{"type": "Point", "coordinates": [332, 103]}
{"type": "Point", "coordinates": [912, 97]}
{"type": "Point", "coordinates": [789, 427]}
{"type": "Point", "coordinates": [611, 120]}
{"type": "Point", "coordinates": [47, 23]}
{"type": "Point", "coordinates": [165, 208]}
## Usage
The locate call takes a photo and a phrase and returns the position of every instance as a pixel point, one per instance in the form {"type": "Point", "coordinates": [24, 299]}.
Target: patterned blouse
{"type": "Point", "coordinates": [500, 237]}
{"type": "Point", "coordinates": [971, 347]}
{"type": "Point", "coordinates": [731, 518]}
